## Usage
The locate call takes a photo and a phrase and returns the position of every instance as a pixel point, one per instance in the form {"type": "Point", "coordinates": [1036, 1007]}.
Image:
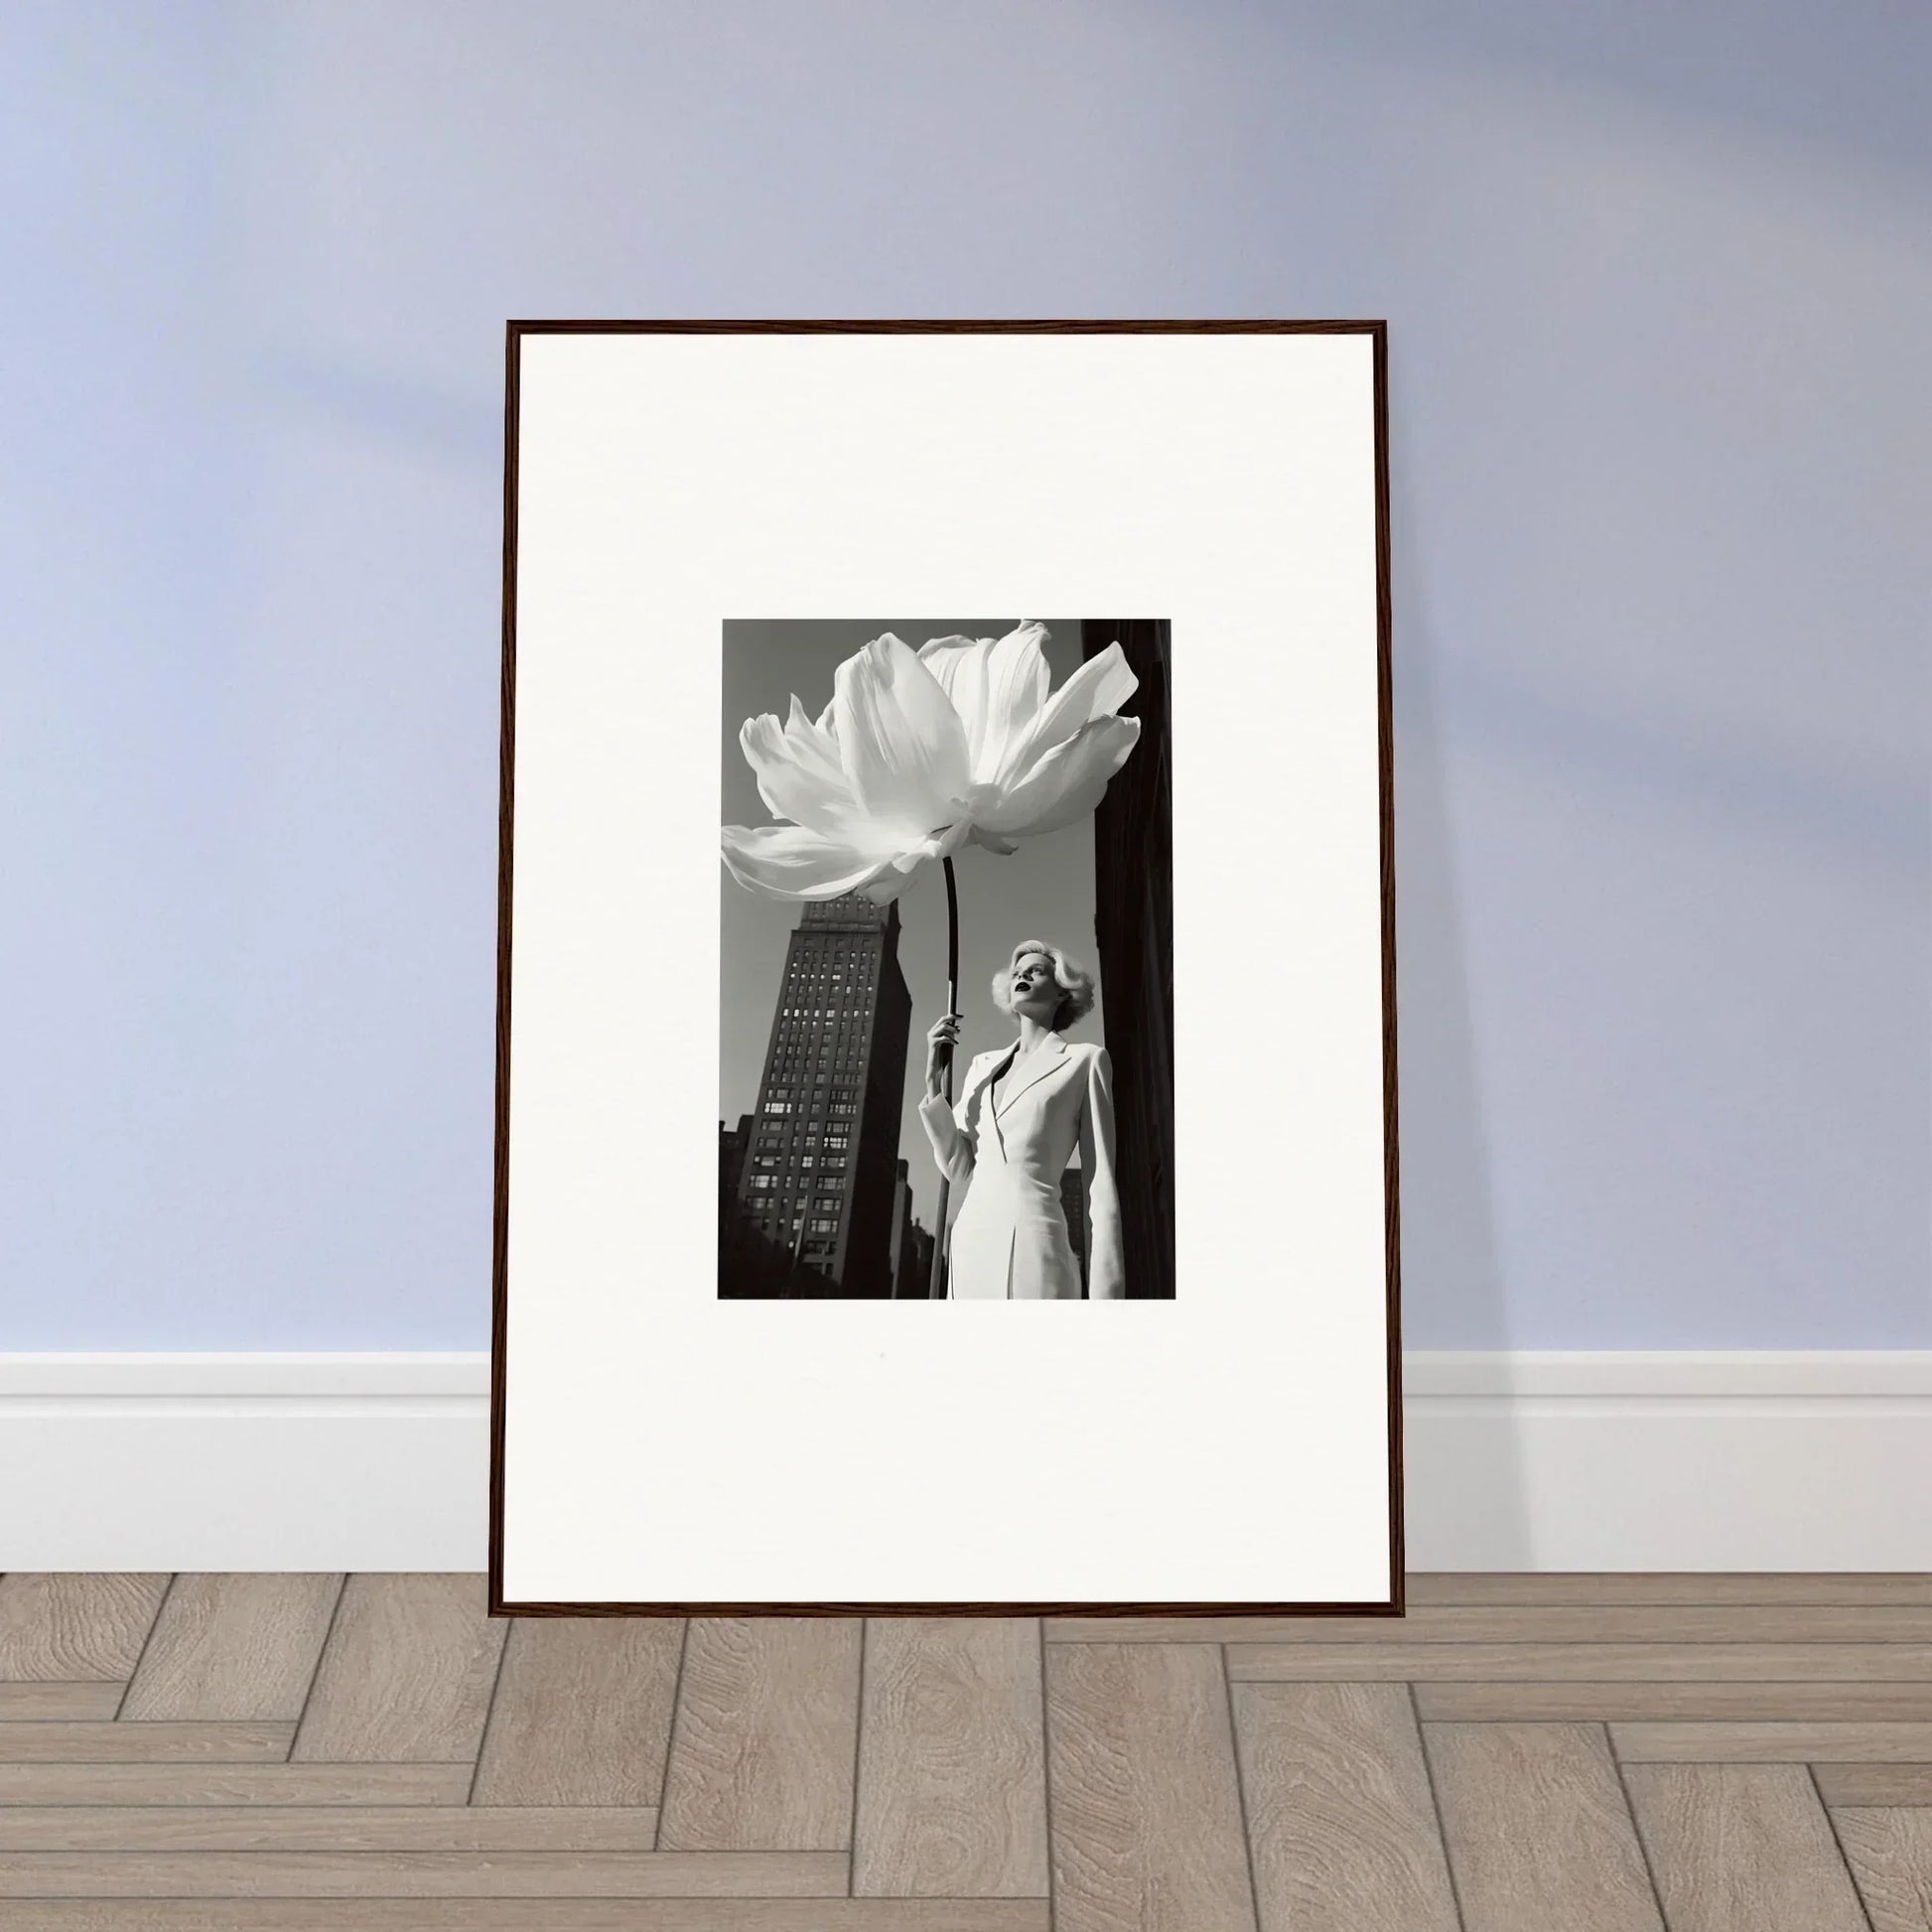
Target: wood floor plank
{"type": "Point", "coordinates": [72, 1624]}
{"type": "Point", "coordinates": [514, 1915]}
{"type": "Point", "coordinates": [1737, 1703]}
{"type": "Point", "coordinates": [1143, 1790]}
{"type": "Point", "coordinates": [763, 1742]}
{"type": "Point", "coordinates": [1538, 1830]}
{"type": "Point", "coordinates": [407, 1672]}
{"type": "Point", "coordinates": [1875, 1784]}
{"type": "Point", "coordinates": [1741, 1847]}
{"type": "Point", "coordinates": [1586, 1702]}
{"type": "Point", "coordinates": [1558, 1663]}
{"type": "Point", "coordinates": [86, 1743]}
{"type": "Point", "coordinates": [84, 1703]}
{"type": "Point", "coordinates": [1525, 1623]}
{"type": "Point", "coordinates": [1772, 1744]}
{"type": "Point", "coordinates": [583, 1712]}
{"type": "Point", "coordinates": [952, 1762]}
{"type": "Point", "coordinates": [327, 1828]}
{"type": "Point", "coordinates": [233, 1784]}
{"type": "Point", "coordinates": [422, 1874]}
{"type": "Point", "coordinates": [233, 1647]}
{"type": "Point", "coordinates": [1340, 1820]}
{"type": "Point", "coordinates": [1426, 1590]}
{"type": "Point", "coordinates": [1890, 1856]}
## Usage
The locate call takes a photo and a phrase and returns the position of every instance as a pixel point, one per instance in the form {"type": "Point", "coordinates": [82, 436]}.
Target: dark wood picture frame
{"type": "Point", "coordinates": [1377, 332]}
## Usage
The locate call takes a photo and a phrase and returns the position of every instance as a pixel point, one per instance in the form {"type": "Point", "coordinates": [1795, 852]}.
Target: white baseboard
{"type": "Point", "coordinates": [211, 1462]}
{"type": "Point", "coordinates": [1515, 1462]}
{"type": "Point", "coordinates": [1670, 1461]}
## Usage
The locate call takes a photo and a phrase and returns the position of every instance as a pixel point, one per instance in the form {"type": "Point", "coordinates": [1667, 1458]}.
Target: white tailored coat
{"type": "Point", "coordinates": [1010, 1240]}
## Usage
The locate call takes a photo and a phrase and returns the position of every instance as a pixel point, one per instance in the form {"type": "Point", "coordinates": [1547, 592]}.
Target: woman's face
{"type": "Point", "coordinates": [1035, 992]}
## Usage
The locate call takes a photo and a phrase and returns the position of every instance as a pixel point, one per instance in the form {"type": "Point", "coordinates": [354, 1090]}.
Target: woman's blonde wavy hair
{"type": "Point", "coordinates": [1075, 982]}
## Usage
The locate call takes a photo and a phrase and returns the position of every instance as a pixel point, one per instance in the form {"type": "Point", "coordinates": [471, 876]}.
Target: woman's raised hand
{"type": "Point", "coordinates": [940, 1040]}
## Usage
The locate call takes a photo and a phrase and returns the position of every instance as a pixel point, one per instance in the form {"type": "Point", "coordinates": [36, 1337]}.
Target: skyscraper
{"type": "Point", "coordinates": [1133, 923]}
{"type": "Point", "coordinates": [815, 1198]}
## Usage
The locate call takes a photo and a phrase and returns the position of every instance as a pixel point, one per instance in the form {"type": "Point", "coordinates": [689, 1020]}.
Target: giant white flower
{"type": "Point", "coordinates": [918, 752]}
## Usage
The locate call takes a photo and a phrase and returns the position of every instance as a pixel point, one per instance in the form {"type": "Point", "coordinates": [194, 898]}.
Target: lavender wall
{"type": "Point", "coordinates": [1659, 288]}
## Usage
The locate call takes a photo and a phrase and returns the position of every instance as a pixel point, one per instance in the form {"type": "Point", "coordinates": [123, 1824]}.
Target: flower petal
{"type": "Point", "coordinates": [899, 872]}
{"type": "Point", "coordinates": [998, 689]}
{"type": "Point", "coordinates": [958, 668]}
{"type": "Point", "coordinates": [796, 779]}
{"type": "Point", "coordinates": [1096, 690]}
{"type": "Point", "coordinates": [902, 745]}
{"type": "Point", "coordinates": [941, 845]}
{"type": "Point", "coordinates": [1066, 784]}
{"type": "Point", "coordinates": [793, 861]}
{"type": "Point", "coordinates": [813, 741]}
{"type": "Point", "coordinates": [944, 656]}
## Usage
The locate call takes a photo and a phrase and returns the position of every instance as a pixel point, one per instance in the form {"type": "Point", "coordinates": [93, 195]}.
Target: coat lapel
{"type": "Point", "coordinates": [1048, 1054]}
{"type": "Point", "coordinates": [974, 1106]}
{"type": "Point", "coordinates": [975, 1093]}
{"type": "Point", "coordinates": [979, 1070]}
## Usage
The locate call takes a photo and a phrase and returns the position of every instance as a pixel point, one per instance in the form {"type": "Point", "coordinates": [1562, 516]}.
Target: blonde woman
{"type": "Point", "coordinates": [1023, 1109]}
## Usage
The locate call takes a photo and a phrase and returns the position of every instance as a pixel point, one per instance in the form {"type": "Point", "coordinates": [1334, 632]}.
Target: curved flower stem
{"type": "Point", "coordinates": [936, 1283]}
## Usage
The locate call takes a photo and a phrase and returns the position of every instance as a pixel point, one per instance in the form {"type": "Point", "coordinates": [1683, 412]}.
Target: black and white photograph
{"type": "Point", "coordinates": [882, 920]}
{"type": "Point", "coordinates": [946, 1054]}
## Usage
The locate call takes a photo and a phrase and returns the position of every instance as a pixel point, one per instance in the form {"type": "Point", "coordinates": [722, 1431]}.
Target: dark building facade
{"type": "Point", "coordinates": [1132, 921]}
{"type": "Point", "coordinates": [911, 1245]}
{"type": "Point", "coordinates": [1073, 1205]}
{"type": "Point", "coordinates": [915, 1266]}
{"type": "Point", "coordinates": [733, 1143]}
{"type": "Point", "coordinates": [815, 1199]}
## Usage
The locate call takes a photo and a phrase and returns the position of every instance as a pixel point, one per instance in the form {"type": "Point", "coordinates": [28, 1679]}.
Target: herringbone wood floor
{"type": "Point", "coordinates": [1519, 1755]}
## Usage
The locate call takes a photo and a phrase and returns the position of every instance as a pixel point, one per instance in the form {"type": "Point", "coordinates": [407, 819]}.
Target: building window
{"type": "Point", "coordinates": [825, 1227]}
{"type": "Point", "coordinates": [843, 1107]}
{"type": "Point", "coordinates": [764, 1181]}
{"type": "Point", "coordinates": [827, 1203]}
{"type": "Point", "coordinates": [838, 1140]}
{"type": "Point", "coordinates": [777, 1106]}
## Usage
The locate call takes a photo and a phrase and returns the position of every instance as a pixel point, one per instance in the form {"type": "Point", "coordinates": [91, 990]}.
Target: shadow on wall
{"type": "Point", "coordinates": [1848, 79]}
{"type": "Point", "coordinates": [1450, 1264]}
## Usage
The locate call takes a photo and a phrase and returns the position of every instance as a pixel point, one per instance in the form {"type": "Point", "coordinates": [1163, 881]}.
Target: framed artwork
{"type": "Point", "coordinates": [866, 939]}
